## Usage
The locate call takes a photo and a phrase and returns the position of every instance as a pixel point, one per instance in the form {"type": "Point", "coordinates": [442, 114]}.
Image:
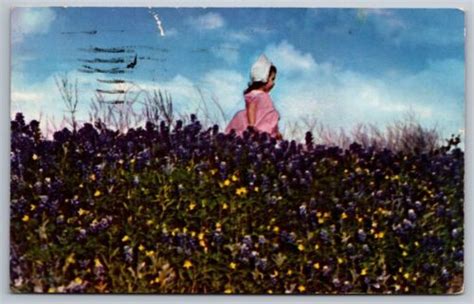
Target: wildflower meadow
{"type": "Point", "coordinates": [177, 208]}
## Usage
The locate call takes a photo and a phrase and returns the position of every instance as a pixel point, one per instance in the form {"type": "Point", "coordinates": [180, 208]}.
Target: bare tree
{"type": "Point", "coordinates": [69, 95]}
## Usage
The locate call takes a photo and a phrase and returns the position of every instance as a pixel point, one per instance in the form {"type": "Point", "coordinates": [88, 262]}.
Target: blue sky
{"type": "Point", "coordinates": [339, 66]}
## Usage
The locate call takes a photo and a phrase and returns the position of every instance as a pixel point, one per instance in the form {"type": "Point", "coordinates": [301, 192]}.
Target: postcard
{"type": "Point", "coordinates": [159, 150]}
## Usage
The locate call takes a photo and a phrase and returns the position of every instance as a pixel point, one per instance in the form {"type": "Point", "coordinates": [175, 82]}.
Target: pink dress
{"type": "Point", "coordinates": [266, 116]}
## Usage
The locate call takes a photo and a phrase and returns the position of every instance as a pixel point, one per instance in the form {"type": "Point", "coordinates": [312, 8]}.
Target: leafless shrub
{"type": "Point", "coordinates": [158, 105]}
{"type": "Point", "coordinates": [292, 130]}
{"type": "Point", "coordinates": [310, 123]}
{"type": "Point", "coordinates": [211, 112]}
{"type": "Point", "coordinates": [121, 114]}
{"type": "Point", "coordinates": [70, 97]}
{"type": "Point", "coordinates": [406, 135]}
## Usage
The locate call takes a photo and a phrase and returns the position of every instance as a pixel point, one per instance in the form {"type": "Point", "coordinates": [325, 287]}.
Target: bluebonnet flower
{"type": "Point", "coordinates": [128, 253]}
{"type": "Point", "coordinates": [455, 233]}
{"type": "Point", "coordinates": [302, 210]}
{"type": "Point", "coordinates": [324, 235]}
{"type": "Point", "coordinates": [361, 235]}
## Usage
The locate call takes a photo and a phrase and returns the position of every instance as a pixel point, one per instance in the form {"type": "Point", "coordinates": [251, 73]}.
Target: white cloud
{"type": "Point", "coordinates": [42, 100]}
{"type": "Point", "coordinates": [216, 91]}
{"type": "Point", "coordinates": [343, 98]}
{"type": "Point", "coordinates": [171, 32]}
{"type": "Point", "coordinates": [238, 36]}
{"type": "Point", "coordinates": [289, 59]}
{"type": "Point", "coordinates": [30, 21]}
{"type": "Point", "coordinates": [226, 85]}
{"type": "Point", "coordinates": [227, 51]}
{"type": "Point", "coordinates": [396, 29]}
{"type": "Point", "coordinates": [209, 21]}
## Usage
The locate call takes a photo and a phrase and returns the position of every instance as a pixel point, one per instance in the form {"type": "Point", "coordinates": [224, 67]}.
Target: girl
{"type": "Point", "coordinates": [259, 111]}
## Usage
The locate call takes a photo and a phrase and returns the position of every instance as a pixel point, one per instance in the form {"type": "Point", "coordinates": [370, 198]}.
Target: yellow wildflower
{"type": "Point", "coordinates": [70, 259]}
{"type": "Point", "coordinates": [149, 253]}
{"type": "Point", "coordinates": [241, 191]}
{"type": "Point", "coordinates": [213, 171]}
{"type": "Point", "coordinates": [380, 235]}
{"type": "Point", "coordinates": [82, 211]}
{"type": "Point", "coordinates": [289, 272]}
{"type": "Point", "coordinates": [26, 218]}
{"type": "Point", "coordinates": [141, 247]}
{"type": "Point", "coordinates": [276, 229]}
{"type": "Point", "coordinates": [256, 189]}
{"type": "Point", "coordinates": [78, 280]}
{"type": "Point", "coordinates": [51, 290]}
{"type": "Point", "coordinates": [225, 206]}
{"type": "Point", "coordinates": [192, 205]}
{"type": "Point", "coordinates": [343, 216]}
{"type": "Point", "coordinates": [187, 264]}
{"type": "Point", "coordinates": [228, 291]}
{"type": "Point", "coordinates": [406, 275]}
{"type": "Point", "coordinates": [316, 246]}
{"type": "Point", "coordinates": [269, 291]}
{"type": "Point", "coordinates": [232, 265]}
{"type": "Point", "coordinates": [97, 193]}
{"type": "Point", "coordinates": [316, 266]}
{"type": "Point", "coordinates": [234, 178]}
{"type": "Point", "coordinates": [404, 253]}
{"type": "Point", "coordinates": [340, 260]}
{"type": "Point", "coordinates": [201, 236]}
{"type": "Point", "coordinates": [301, 247]}
{"type": "Point", "coordinates": [364, 271]}
{"type": "Point", "coordinates": [150, 222]}
{"type": "Point", "coordinates": [301, 288]}
{"type": "Point", "coordinates": [32, 207]}
{"type": "Point", "coordinates": [97, 263]}
{"type": "Point", "coordinates": [125, 238]}
{"type": "Point", "coordinates": [92, 177]}
{"type": "Point", "coordinates": [226, 182]}
{"type": "Point", "coordinates": [35, 157]}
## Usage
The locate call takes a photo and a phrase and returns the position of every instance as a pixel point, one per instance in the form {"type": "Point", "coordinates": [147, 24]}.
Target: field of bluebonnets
{"type": "Point", "coordinates": [183, 209]}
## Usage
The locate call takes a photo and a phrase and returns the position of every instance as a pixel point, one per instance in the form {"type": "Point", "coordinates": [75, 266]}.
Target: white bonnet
{"type": "Point", "coordinates": [260, 69]}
